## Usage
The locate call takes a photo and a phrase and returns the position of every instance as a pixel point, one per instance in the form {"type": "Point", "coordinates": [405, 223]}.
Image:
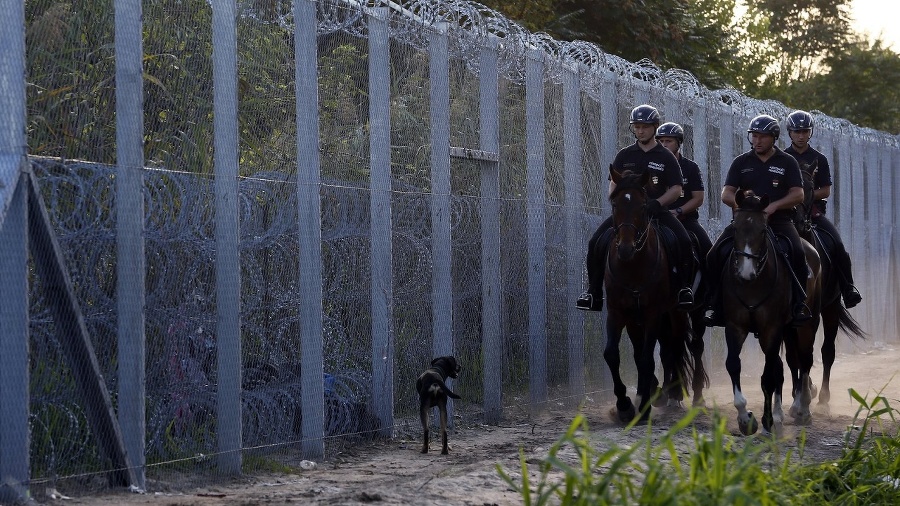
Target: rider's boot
{"type": "Point", "coordinates": [801, 313]}
{"type": "Point", "coordinates": [851, 296]}
{"type": "Point", "coordinates": [714, 315]}
{"type": "Point", "coordinates": [588, 301]}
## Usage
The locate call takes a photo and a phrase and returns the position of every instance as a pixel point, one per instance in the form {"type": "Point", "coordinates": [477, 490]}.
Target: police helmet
{"type": "Point", "coordinates": [765, 124]}
{"type": "Point", "coordinates": [671, 130]}
{"type": "Point", "coordinates": [799, 120]}
{"type": "Point", "coordinates": [644, 114]}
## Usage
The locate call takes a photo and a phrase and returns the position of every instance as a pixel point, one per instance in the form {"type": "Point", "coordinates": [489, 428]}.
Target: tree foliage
{"type": "Point", "coordinates": [804, 54]}
{"type": "Point", "coordinates": [857, 86]}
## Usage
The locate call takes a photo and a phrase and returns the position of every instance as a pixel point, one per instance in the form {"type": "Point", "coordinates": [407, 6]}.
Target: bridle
{"type": "Point", "coordinates": [760, 261]}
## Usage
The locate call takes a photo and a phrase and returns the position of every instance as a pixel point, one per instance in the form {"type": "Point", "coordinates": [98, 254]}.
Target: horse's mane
{"type": "Point", "coordinates": [752, 202]}
{"type": "Point", "coordinates": [629, 180]}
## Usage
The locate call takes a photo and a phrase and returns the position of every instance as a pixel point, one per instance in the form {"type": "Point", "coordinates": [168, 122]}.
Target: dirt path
{"type": "Point", "coordinates": [395, 473]}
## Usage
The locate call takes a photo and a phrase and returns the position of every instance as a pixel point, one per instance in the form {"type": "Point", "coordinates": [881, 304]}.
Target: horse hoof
{"type": "Point", "coordinates": [699, 403]}
{"type": "Point", "coordinates": [622, 415]}
{"type": "Point", "coordinates": [749, 427]}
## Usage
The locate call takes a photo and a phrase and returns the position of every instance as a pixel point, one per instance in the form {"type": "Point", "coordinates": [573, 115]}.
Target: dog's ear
{"type": "Point", "coordinates": [435, 361]}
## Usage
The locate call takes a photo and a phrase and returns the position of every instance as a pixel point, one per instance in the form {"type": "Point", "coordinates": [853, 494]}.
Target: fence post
{"type": "Point", "coordinates": [442, 259]}
{"type": "Point", "coordinates": [14, 318]}
{"type": "Point", "coordinates": [442, 284]}
{"type": "Point", "coordinates": [489, 119]}
{"type": "Point", "coordinates": [309, 223]}
{"type": "Point", "coordinates": [574, 216]}
{"type": "Point", "coordinates": [701, 154]}
{"type": "Point", "coordinates": [227, 234]}
{"type": "Point", "coordinates": [536, 228]}
{"type": "Point", "coordinates": [380, 210]}
{"type": "Point", "coordinates": [130, 266]}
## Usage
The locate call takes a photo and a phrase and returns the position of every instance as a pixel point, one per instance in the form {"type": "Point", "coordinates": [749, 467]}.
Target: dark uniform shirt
{"type": "Point", "coordinates": [774, 177]}
{"type": "Point", "coordinates": [823, 170]}
{"type": "Point", "coordinates": [691, 182]}
{"type": "Point", "coordinates": [659, 162]}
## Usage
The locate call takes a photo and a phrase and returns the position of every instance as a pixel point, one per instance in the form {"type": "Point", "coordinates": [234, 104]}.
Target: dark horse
{"type": "Point", "coordinates": [834, 315]}
{"type": "Point", "coordinates": [757, 292]}
{"type": "Point", "coordinates": [642, 301]}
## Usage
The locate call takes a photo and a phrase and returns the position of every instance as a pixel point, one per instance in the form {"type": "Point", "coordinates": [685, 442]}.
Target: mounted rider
{"type": "Point", "coordinates": [765, 170]}
{"type": "Point", "coordinates": [644, 156]}
{"type": "Point", "coordinates": [671, 136]}
{"type": "Point", "coordinates": [800, 129]}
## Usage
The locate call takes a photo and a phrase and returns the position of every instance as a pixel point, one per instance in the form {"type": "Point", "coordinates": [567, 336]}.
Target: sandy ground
{"type": "Point", "coordinates": [394, 472]}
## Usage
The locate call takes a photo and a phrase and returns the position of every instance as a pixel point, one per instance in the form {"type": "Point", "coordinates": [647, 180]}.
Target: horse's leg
{"type": "Point", "coordinates": [802, 347]}
{"type": "Point", "coordinates": [791, 357]}
{"type": "Point", "coordinates": [734, 341]}
{"type": "Point", "coordinates": [700, 378]}
{"type": "Point", "coordinates": [830, 328]}
{"type": "Point", "coordinates": [772, 381]}
{"type": "Point", "coordinates": [644, 347]}
{"type": "Point", "coordinates": [667, 358]}
{"type": "Point", "coordinates": [679, 337]}
{"type": "Point", "coordinates": [624, 407]}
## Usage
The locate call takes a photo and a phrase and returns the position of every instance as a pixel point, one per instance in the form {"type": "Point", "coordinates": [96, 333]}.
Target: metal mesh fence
{"type": "Point", "coordinates": [518, 210]}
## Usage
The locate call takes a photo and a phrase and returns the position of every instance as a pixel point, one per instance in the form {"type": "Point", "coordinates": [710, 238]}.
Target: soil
{"type": "Point", "coordinates": [394, 472]}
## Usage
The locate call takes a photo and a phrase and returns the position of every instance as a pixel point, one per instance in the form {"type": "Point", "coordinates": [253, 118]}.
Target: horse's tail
{"type": "Point", "coordinates": [848, 324]}
{"type": "Point", "coordinates": [684, 363]}
{"type": "Point", "coordinates": [695, 357]}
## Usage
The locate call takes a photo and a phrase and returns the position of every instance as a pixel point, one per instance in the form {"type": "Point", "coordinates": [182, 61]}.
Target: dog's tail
{"type": "Point", "coordinates": [449, 392]}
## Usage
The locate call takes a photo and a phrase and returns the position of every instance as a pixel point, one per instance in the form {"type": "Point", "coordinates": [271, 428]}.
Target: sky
{"type": "Point", "coordinates": [877, 17]}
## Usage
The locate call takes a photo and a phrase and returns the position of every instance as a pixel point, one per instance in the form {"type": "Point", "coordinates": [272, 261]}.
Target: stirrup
{"type": "Point", "coordinates": [801, 315]}
{"type": "Point", "coordinates": [685, 298]}
{"type": "Point", "coordinates": [713, 318]}
{"type": "Point", "coordinates": [588, 302]}
{"type": "Point", "coordinates": [851, 297]}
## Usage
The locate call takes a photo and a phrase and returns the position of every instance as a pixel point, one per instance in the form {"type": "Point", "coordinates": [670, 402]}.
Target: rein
{"type": "Point", "coordinates": [642, 235]}
{"type": "Point", "coordinates": [636, 292]}
{"type": "Point", "coordinates": [761, 261]}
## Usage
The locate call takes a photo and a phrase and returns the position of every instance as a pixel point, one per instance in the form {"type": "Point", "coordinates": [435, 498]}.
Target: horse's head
{"type": "Point", "coordinates": [803, 211]}
{"type": "Point", "coordinates": [629, 212]}
{"type": "Point", "coordinates": [750, 231]}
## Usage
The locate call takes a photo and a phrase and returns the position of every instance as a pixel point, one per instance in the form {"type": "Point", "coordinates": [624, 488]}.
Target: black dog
{"type": "Point", "coordinates": [433, 392]}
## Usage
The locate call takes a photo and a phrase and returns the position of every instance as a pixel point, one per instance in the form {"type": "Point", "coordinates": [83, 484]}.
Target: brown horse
{"type": "Point", "coordinates": [642, 301]}
{"type": "Point", "coordinates": [834, 315]}
{"type": "Point", "coordinates": [757, 298]}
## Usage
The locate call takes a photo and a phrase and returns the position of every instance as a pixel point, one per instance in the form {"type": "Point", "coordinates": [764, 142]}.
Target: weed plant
{"type": "Point", "coordinates": [685, 465]}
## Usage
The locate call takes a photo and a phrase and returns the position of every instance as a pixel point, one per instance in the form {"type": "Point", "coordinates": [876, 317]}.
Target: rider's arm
{"type": "Point", "coordinates": [694, 203]}
{"type": "Point", "coordinates": [728, 194]}
{"type": "Point", "coordinates": [794, 197]}
{"type": "Point", "coordinates": [671, 195]}
{"type": "Point", "coordinates": [822, 193]}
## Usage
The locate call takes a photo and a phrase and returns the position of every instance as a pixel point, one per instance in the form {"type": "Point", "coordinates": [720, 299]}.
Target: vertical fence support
{"type": "Point", "coordinates": [14, 364]}
{"type": "Point", "coordinates": [442, 259]}
{"type": "Point", "coordinates": [574, 219]}
{"type": "Point", "coordinates": [726, 150]}
{"type": "Point", "coordinates": [380, 210]}
{"type": "Point", "coordinates": [885, 227]}
{"type": "Point", "coordinates": [894, 168]}
{"type": "Point", "coordinates": [442, 284]}
{"type": "Point", "coordinates": [228, 264]}
{"type": "Point", "coordinates": [536, 228]}
{"type": "Point", "coordinates": [309, 222]}
{"type": "Point", "coordinates": [489, 127]}
{"type": "Point", "coordinates": [701, 151]}
{"type": "Point", "coordinates": [874, 205]}
{"type": "Point", "coordinates": [131, 264]}
{"type": "Point", "coordinates": [856, 240]}
{"type": "Point", "coordinates": [14, 319]}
